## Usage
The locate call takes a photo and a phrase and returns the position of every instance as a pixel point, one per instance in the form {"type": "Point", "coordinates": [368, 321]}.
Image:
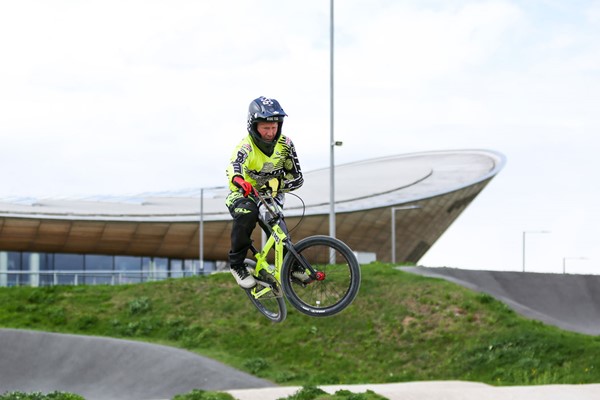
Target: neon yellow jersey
{"type": "Point", "coordinates": [281, 170]}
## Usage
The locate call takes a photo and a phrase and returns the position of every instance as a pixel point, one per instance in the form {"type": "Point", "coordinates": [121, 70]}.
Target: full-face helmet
{"type": "Point", "coordinates": [264, 109]}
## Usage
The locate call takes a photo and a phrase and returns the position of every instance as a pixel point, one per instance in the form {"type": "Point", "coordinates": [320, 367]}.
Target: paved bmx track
{"type": "Point", "coordinates": [111, 369]}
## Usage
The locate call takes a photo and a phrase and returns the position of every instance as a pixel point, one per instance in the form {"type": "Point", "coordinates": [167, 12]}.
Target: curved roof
{"type": "Point", "coordinates": [167, 224]}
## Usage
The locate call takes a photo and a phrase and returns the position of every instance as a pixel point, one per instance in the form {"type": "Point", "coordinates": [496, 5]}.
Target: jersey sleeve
{"type": "Point", "coordinates": [292, 177]}
{"type": "Point", "coordinates": [238, 160]}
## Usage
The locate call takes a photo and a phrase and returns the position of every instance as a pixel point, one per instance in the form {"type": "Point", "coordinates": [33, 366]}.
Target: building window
{"type": "Point", "coordinates": [14, 268]}
{"type": "Point", "coordinates": [99, 269]}
{"type": "Point", "coordinates": [161, 268]}
{"type": "Point", "coordinates": [176, 268]}
{"type": "Point", "coordinates": [129, 268]}
{"type": "Point", "coordinates": [63, 263]}
{"type": "Point", "coordinates": [47, 269]}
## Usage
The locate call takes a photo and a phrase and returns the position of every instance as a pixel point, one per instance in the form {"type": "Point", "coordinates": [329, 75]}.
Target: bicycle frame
{"type": "Point", "coordinates": [277, 240]}
{"type": "Point", "coordinates": [297, 270]}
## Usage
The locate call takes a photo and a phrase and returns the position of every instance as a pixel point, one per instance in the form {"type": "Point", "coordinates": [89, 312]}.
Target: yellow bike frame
{"type": "Point", "coordinates": [275, 240]}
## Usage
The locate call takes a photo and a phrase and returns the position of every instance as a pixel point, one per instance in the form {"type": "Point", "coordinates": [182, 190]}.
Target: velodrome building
{"type": "Point", "coordinates": [389, 208]}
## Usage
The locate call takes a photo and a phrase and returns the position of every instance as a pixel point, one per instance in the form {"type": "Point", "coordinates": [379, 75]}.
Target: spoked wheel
{"type": "Point", "coordinates": [266, 295]}
{"type": "Point", "coordinates": [332, 287]}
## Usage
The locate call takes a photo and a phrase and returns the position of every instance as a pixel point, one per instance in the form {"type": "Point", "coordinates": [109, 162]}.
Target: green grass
{"type": "Point", "coordinates": [402, 327]}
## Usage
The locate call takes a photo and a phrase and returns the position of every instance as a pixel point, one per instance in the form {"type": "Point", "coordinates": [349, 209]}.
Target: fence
{"type": "Point", "coordinates": [51, 278]}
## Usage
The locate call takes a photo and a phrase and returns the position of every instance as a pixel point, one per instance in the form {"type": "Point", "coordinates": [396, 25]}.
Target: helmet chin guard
{"type": "Point", "coordinates": [264, 109]}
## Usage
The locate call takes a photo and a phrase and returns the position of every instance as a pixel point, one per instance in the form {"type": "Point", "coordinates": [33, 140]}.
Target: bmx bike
{"type": "Point", "coordinates": [319, 275]}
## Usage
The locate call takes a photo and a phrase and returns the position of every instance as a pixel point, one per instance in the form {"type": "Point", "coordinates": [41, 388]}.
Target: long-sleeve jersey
{"type": "Point", "coordinates": [281, 170]}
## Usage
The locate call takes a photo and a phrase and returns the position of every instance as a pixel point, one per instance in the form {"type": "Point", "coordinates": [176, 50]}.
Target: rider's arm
{"type": "Point", "coordinates": [235, 168]}
{"type": "Point", "coordinates": [292, 178]}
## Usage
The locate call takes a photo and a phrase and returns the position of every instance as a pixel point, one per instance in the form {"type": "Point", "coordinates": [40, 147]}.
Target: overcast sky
{"type": "Point", "coordinates": [123, 97]}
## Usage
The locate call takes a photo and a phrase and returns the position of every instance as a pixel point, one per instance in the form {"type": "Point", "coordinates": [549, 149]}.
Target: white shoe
{"type": "Point", "coordinates": [242, 276]}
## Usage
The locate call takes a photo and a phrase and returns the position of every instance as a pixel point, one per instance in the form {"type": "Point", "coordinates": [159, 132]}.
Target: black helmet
{"type": "Point", "coordinates": [264, 109]}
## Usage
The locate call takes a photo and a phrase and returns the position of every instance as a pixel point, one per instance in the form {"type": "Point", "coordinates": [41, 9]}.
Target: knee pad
{"type": "Point", "coordinates": [244, 209]}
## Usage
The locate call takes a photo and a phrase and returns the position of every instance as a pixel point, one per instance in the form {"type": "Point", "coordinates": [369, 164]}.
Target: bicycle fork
{"type": "Point", "coordinates": [304, 264]}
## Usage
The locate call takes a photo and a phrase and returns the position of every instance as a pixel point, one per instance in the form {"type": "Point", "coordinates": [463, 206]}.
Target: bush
{"type": "Point", "coordinates": [256, 364]}
{"type": "Point", "coordinates": [198, 394]}
{"type": "Point", "coordinates": [139, 306]}
{"type": "Point", "coordinates": [40, 396]}
{"type": "Point", "coordinates": [315, 393]}
{"type": "Point", "coordinates": [307, 393]}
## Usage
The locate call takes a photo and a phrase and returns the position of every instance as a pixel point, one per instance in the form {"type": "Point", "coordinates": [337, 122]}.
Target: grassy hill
{"type": "Point", "coordinates": [401, 327]}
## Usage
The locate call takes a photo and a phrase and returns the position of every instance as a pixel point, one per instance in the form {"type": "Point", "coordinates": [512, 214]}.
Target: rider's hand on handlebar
{"type": "Point", "coordinates": [244, 185]}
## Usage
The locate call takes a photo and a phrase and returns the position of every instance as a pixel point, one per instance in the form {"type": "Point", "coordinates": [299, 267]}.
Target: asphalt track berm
{"type": "Point", "coordinates": [111, 369]}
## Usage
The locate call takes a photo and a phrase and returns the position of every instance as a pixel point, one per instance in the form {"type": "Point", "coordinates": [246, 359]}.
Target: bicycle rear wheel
{"type": "Point", "coordinates": [267, 297]}
{"type": "Point", "coordinates": [336, 280]}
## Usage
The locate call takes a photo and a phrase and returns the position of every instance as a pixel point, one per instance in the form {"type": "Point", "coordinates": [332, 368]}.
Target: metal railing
{"type": "Point", "coordinates": [63, 277]}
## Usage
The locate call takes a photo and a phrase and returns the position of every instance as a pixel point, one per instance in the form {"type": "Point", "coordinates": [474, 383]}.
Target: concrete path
{"type": "Point", "coordinates": [451, 390]}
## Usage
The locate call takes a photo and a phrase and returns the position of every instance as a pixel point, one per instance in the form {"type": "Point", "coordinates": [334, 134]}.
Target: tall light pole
{"type": "Point", "coordinates": [394, 209]}
{"type": "Point", "coordinates": [201, 227]}
{"type": "Point", "coordinates": [570, 258]}
{"type": "Point", "coordinates": [331, 139]}
{"type": "Point", "coordinates": [524, 235]}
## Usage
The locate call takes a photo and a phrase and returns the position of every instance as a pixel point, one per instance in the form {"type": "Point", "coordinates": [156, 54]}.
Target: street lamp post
{"type": "Point", "coordinates": [570, 258]}
{"type": "Point", "coordinates": [332, 142]}
{"type": "Point", "coordinates": [524, 235]}
{"type": "Point", "coordinates": [394, 209]}
{"type": "Point", "coordinates": [201, 227]}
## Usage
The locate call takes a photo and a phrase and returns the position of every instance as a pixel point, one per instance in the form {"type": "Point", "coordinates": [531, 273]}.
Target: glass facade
{"type": "Point", "coordinates": [98, 268]}
{"type": "Point", "coordinates": [15, 265]}
{"type": "Point", "coordinates": [68, 263]}
{"type": "Point", "coordinates": [46, 269]}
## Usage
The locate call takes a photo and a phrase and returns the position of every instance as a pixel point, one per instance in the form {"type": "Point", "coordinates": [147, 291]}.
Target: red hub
{"type": "Point", "coordinates": [320, 275]}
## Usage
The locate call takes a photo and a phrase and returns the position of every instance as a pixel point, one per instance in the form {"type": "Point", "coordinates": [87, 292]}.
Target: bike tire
{"type": "Point", "coordinates": [338, 285]}
{"type": "Point", "coordinates": [271, 305]}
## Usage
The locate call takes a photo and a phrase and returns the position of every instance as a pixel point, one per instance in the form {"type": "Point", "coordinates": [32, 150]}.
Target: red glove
{"type": "Point", "coordinates": [244, 185]}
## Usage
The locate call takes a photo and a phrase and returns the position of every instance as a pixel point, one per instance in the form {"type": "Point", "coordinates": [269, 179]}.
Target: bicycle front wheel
{"type": "Point", "coordinates": [334, 284]}
{"type": "Point", "coordinates": [266, 295]}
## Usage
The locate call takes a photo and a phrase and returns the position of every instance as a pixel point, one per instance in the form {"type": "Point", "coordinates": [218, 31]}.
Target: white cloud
{"type": "Point", "coordinates": [408, 47]}
{"type": "Point", "coordinates": [129, 96]}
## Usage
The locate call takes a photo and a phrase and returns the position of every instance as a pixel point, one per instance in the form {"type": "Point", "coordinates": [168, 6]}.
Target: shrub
{"type": "Point", "coordinates": [40, 396]}
{"type": "Point", "coordinates": [198, 394]}
{"type": "Point", "coordinates": [139, 305]}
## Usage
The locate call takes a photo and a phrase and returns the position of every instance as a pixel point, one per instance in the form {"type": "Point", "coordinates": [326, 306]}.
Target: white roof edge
{"type": "Point", "coordinates": [189, 211]}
